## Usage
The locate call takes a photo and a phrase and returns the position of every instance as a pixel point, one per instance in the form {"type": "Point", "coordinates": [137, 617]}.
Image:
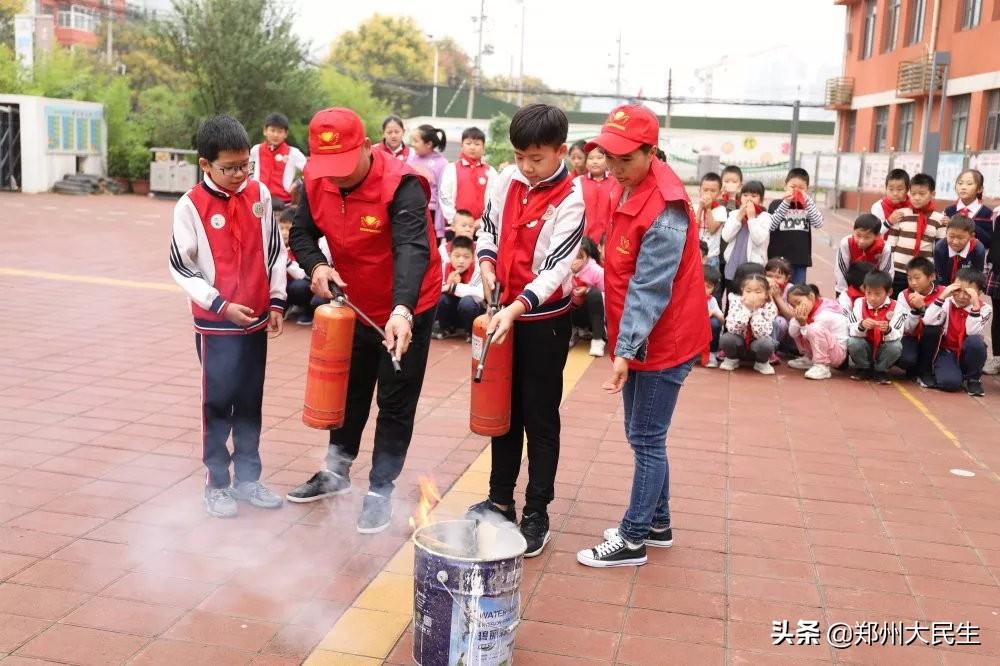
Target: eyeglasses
{"type": "Point", "coordinates": [246, 167]}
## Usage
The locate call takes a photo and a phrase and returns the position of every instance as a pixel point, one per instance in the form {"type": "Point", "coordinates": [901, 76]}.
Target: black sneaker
{"type": "Point", "coordinates": [535, 530]}
{"type": "Point", "coordinates": [974, 387]}
{"type": "Point", "coordinates": [376, 514]}
{"type": "Point", "coordinates": [881, 378]}
{"type": "Point", "coordinates": [655, 538]}
{"type": "Point", "coordinates": [487, 510]}
{"type": "Point", "coordinates": [320, 485]}
{"type": "Point", "coordinates": [862, 374]}
{"type": "Point", "coordinates": [306, 319]}
{"type": "Point", "coordinates": [613, 553]}
{"type": "Point", "coordinates": [927, 382]}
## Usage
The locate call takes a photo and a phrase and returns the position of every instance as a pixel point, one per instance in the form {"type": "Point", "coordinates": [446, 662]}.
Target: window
{"type": "Point", "coordinates": [881, 137]}
{"type": "Point", "coordinates": [971, 11]}
{"type": "Point", "coordinates": [904, 126]}
{"type": "Point", "coordinates": [850, 123]}
{"type": "Point", "coordinates": [79, 18]}
{"type": "Point", "coordinates": [915, 29]}
{"type": "Point", "coordinates": [991, 137]}
{"type": "Point", "coordinates": [893, 9]}
{"type": "Point", "coordinates": [868, 31]}
{"type": "Point", "coordinates": [959, 122]}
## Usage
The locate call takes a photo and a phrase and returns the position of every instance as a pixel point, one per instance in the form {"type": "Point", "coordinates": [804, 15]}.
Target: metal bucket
{"type": "Point", "coordinates": [466, 593]}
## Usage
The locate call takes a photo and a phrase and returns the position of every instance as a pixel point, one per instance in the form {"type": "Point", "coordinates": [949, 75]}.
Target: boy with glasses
{"type": "Point", "coordinates": [227, 255]}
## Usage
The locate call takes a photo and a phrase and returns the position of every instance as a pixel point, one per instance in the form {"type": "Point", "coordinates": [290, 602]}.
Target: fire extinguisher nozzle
{"type": "Point", "coordinates": [397, 368]}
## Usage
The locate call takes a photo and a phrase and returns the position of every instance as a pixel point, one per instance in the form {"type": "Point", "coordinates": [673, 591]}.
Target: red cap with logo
{"type": "Point", "coordinates": [627, 128]}
{"type": "Point", "coordinates": [336, 136]}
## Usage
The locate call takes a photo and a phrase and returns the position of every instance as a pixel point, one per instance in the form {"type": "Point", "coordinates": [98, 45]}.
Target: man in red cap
{"type": "Point", "coordinates": [372, 210]}
{"type": "Point", "coordinates": [655, 300]}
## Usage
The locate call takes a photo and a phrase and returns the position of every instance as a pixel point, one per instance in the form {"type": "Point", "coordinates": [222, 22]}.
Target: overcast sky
{"type": "Point", "coordinates": [570, 45]}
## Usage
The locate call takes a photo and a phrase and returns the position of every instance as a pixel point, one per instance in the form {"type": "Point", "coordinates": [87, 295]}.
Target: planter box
{"type": "Point", "coordinates": [122, 183]}
{"type": "Point", "coordinates": [140, 186]}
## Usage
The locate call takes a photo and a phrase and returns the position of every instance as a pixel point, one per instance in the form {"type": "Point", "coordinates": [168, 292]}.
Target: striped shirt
{"type": "Point", "coordinates": [903, 238]}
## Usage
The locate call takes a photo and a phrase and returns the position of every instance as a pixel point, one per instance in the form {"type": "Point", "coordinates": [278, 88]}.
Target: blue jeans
{"type": "Point", "coordinates": [799, 274]}
{"type": "Point", "coordinates": [650, 398]}
{"type": "Point", "coordinates": [950, 370]}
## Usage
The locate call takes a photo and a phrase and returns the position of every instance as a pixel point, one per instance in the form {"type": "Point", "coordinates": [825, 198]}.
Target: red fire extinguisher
{"type": "Point", "coordinates": [489, 412]}
{"type": "Point", "coordinates": [330, 361]}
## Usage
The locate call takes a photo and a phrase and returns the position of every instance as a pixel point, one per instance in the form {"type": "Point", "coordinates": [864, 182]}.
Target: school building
{"type": "Point", "coordinates": [882, 98]}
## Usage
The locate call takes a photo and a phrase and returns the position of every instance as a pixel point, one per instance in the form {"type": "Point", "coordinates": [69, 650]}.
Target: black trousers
{"type": "Point", "coordinates": [917, 358]}
{"type": "Point", "coordinates": [232, 388]}
{"type": "Point", "coordinates": [899, 283]}
{"type": "Point", "coordinates": [300, 293]}
{"type": "Point", "coordinates": [591, 314]}
{"type": "Point", "coordinates": [397, 397]}
{"type": "Point", "coordinates": [540, 350]}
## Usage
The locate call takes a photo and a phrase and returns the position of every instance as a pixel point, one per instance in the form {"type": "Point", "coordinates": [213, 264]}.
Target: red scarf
{"type": "Point", "coordinates": [757, 211]}
{"type": "Point", "coordinates": [931, 296]}
{"type": "Point", "coordinates": [705, 214]}
{"type": "Point", "coordinates": [954, 337]}
{"type": "Point", "coordinates": [466, 276]}
{"type": "Point", "coordinates": [798, 201]}
{"type": "Point", "coordinates": [879, 314]}
{"type": "Point", "coordinates": [272, 169]}
{"type": "Point", "coordinates": [889, 206]}
{"type": "Point", "coordinates": [817, 304]}
{"type": "Point", "coordinates": [725, 198]}
{"type": "Point", "coordinates": [871, 255]}
{"type": "Point", "coordinates": [922, 215]}
{"type": "Point", "coordinates": [854, 294]}
{"type": "Point", "coordinates": [748, 334]}
{"type": "Point", "coordinates": [957, 259]}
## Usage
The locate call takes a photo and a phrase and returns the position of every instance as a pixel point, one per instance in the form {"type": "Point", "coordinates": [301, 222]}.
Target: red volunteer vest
{"type": "Point", "coordinates": [525, 212]}
{"type": "Point", "coordinates": [871, 255]}
{"type": "Point", "coordinates": [879, 314]}
{"type": "Point", "coordinates": [470, 186]}
{"type": "Point", "coordinates": [683, 331]}
{"type": "Point", "coordinates": [272, 169]}
{"type": "Point", "coordinates": [359, 231]}
{"type": "Point", "coordinates": [236, 240]}
{"type": "Point", "coordinates": [597, 207]}
{"type": "Point", "coordinates": [401, 155]}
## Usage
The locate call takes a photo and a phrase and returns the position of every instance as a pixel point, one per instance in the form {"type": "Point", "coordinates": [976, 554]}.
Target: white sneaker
{"type": "Point", "coordinates": [818, 371]}
{"type": "Point", "coordinates": [597, 348]}
{"type": "Point", "coordinates": [800, 363]}
{"type": "Point", "coordinates": [713, 360]}
{"type": "Point", "coordinates": [763, 368]}
{"type": "Point", "coordinates": [731, 364]}
{"type": "Point", "coordinates": [992, 366]}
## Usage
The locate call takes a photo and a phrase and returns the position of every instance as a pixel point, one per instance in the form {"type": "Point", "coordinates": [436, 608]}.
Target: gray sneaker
{"type": "Point", "coordinates": [256, 494]}
{"type": "Point", "coordinates": [376, 514]}
{"type": "Point", "coordinates": [220, 503]}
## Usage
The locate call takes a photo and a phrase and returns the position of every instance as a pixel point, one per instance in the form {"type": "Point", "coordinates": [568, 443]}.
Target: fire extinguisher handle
{"type": "Point", "coordinates": [482, 358]}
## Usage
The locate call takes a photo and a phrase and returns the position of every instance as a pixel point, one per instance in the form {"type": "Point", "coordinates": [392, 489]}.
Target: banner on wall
{"type": "Point", "coordinates": [24, 40]}
{"type": "Point", "coordinates": [850, 171]}
{"type": "Point", "coordinates": [74, 129]}
{"type": "Point", "coordinates": [826, 171]}
{"type": "Point", "coordinates": [989, 164]}
{"type": "Point", "coordinates": [875, 170]}
{"type": "Point", "coordinates": [949, 166]}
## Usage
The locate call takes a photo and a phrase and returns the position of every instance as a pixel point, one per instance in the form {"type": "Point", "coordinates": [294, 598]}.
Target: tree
{"type": "Point", "coordinates": [538, 94]}
{"type": "Point", "coordinates": [339, 89]}
{"type": "Point", "coordinates": [386, 47]}
{"type": "Point", "coordinates": [8, 10]}
{"type": "Point", "coordinates": [454, 64]}
{"type": "Point", "coordinates": [241, 57]}
{"type": "Point", "coordinates": [136, 47]}
{"type": "Point", "coordinates": [498, 146]}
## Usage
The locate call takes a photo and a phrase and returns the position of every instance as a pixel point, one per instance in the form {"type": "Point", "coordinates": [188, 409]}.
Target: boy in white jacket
{"type": "Point", "coordinates": [747, 230]}
{"type": "Point", "coordinates": [876, 327]}
{"type": "Point", "coordinates": [963, 318]}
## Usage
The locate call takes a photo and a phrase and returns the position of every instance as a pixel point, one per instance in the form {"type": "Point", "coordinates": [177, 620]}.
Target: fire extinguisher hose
{"type": "Point", "coordinates": [492, 310]}
{"type": "Point", "coordinates": [341, 297]}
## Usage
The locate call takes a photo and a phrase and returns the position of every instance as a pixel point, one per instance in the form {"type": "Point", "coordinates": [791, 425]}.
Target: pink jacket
{"type": "Point", "coordinates": [591, 275]}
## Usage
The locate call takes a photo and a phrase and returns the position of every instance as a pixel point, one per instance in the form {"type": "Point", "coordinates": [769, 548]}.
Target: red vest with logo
{"type": "Point", "coordinates": [597, 206]}
{"type": "Point", "coordinates": [470, 186]}
{"type": "Point", "coordinates": [359, 231]}
{"type": "Point", "coordinates": [683, 330]}
{"type": "Point", "coordinates": [525, 212]}
{"type": "Point", "coordinates": [235, 236]}
{"type": "Point", "coordinates": [271, 167]}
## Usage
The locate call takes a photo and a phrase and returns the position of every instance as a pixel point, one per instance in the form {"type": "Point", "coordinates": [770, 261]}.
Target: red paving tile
{"type": "Point", "coordinates": [780, 511]}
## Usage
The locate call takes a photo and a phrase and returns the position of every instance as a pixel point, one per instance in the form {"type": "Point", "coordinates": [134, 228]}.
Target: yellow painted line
{"type": "Point", "coordinates": [88, 279]}
{"type": "Point", "coordinates": [949, 435]}
{"type": "Point", "coordinates": [369, 629]}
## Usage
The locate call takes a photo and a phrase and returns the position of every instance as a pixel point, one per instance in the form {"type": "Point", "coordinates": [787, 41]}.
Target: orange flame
{"type": "Point", "coordinates": [429, 496]}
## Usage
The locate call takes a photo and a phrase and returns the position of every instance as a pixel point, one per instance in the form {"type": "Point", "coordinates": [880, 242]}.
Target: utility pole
{"type": "Point", "coordinates": [793, 143]}
{"type": "Point", "coordinates": [434, 90]}
{"type": "Point", "coordinates": [479, 60]}
{"type": "Point", "coordinates": [670, 95]}
{"type": "Point", "coordinates": [520, 75]}
{"type": "Point", "coordinates": [618, 71]}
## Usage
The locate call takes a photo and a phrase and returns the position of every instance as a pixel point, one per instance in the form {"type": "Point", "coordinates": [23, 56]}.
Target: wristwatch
{"type": "Point", "coordinates": [404, 312]}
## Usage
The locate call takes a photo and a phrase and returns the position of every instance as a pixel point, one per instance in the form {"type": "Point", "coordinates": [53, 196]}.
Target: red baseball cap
{"type": "Point", "coordinates": [336, 136]}
{"type": "Point", "coordinates": [627, 128]}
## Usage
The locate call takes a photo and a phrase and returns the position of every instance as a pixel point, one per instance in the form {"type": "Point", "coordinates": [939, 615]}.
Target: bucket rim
{"type": "Point", "coordinates": [457, 558]}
